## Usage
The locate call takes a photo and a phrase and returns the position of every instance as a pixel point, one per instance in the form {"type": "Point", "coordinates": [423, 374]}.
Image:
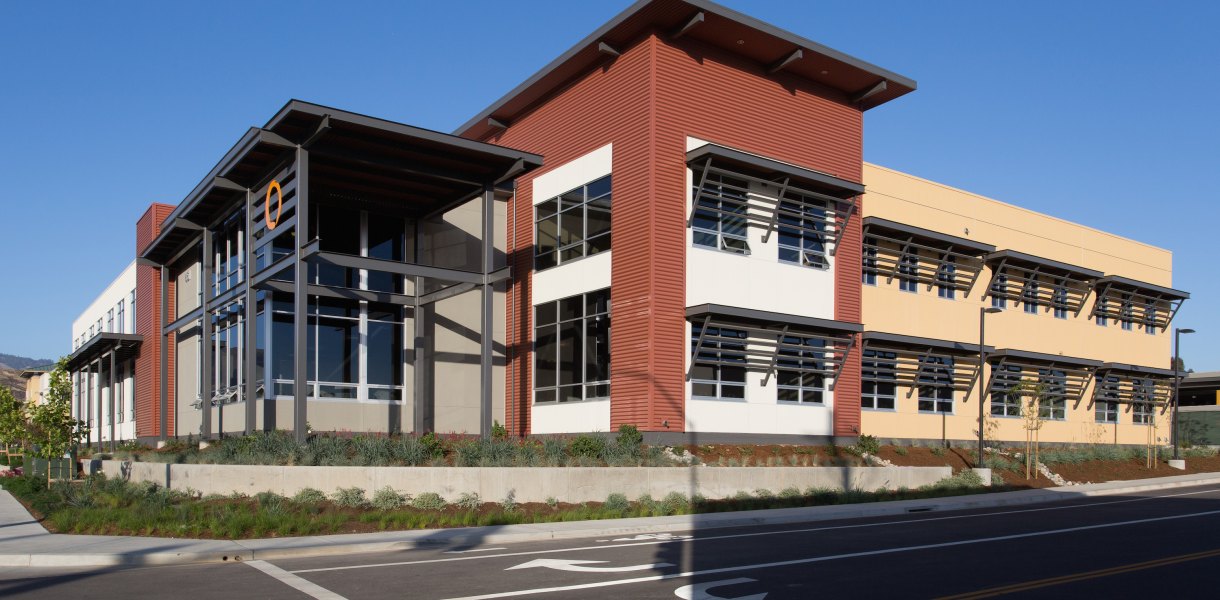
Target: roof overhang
{"type": "Point", "coordinates": [1135, 369]}
{"type": "Point", "coordinates": [772, 48]}
{"type": "Point", "coordinates": [33, 371]}
{"type": "Point", "coordinates": [1020, 258]}
{"type": "Point", "coordinates": [1039, 357]}
{"type": "Point", "coordinates": [768, 318]}
{"type": "Point", "coordinates": [123, 345]}
{"type": "Point", "coordinates": [1162, 291]}
{"type": "Point", "coordinates": [771, 169]}
{"type": "Point", "coordinates": [400, 157]}
{"type": "Point", "coordinates": [958, 243]}
{"type": "Point", "coordinates": [880, 338]}
{"type": "Point", "coordinates": [1202, 380]}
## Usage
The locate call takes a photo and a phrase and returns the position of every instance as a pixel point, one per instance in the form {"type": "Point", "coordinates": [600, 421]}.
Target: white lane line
{"type": "Point", "coordinates": [475, 550]}
{"type": "Point", "coordinates": [803, 561]}
{"type": "Point", "coordinates": [299, 583]}
{"type": "Point", "coordinates": [746, 535]}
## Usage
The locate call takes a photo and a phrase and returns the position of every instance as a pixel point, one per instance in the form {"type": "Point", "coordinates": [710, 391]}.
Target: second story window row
{"type": "Point", "coordinates": [920, 259]}
{"type": "Point", "coordinates": [1038, 284]}
{"type": "Point", "coordinates": [573, 225]}
{"type": "Point", "coordinates": [1131, 303]}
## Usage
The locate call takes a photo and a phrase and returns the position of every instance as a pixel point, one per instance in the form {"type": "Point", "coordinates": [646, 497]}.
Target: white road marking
{"type": "Point", "coordinates": [649, 536]}
{"type": "Point", "coordinates": [560, 564]}
{"type": "Point", "coordinates": [746, 535]}
{"type": "Point", "coordinates": [815, 559]}
{"type": "Point", "coordinates": [699, 591]}
{"type": "Point", "coordinates": [475, 550]}
{"type": "Point", "coordinates": [300, 584]}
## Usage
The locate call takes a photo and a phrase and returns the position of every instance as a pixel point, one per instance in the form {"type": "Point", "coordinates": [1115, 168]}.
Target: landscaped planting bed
{"type": "Point", "coordinates": [97, 505]}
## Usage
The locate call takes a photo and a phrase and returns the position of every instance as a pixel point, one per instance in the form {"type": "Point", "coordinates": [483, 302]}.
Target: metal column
{"type": "Point", "coordinates": [205, 333]}
{"type": "Point", "coordinates": [97, 384]}
{"type": "Point", "coordinates": [163, 367]}
{"type": "Point", "coordinates": [250, 333]}
{"type": "Point", "coordinates": [300, 300]}
{"type": "Point", "coordinates": [112, 368]}
{"type": "Point", "coordinates": [486, 330]}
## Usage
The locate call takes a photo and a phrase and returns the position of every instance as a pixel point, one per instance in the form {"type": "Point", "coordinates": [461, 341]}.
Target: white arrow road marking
{"type": "Point", "coordinates": [698, 591]}
{"type": "Point", "coordinates": [301, 584]}
{"type": "Point", "coordinates": [650, 536]}
{"type": "Point", "coordinates": [574, 565]}
{"type": "Point", "coordinates": [817, 559]}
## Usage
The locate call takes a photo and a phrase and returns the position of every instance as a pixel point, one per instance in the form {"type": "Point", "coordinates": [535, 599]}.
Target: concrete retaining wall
{"type": "Point", "coordinates": [529, 484]}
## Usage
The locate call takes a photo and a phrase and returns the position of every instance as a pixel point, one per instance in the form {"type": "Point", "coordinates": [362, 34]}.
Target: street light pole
{"type": "Point", "coordinates": [1177, 380]}
{"type": "Point", "coordinates": [983, 312]}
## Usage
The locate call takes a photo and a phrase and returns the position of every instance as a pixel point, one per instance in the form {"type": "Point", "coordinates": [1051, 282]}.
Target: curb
{"type": "Point", "coordinates": [280, 548]}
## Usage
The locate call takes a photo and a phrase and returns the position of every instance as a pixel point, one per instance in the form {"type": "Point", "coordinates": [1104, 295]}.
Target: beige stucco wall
{"type": "Point", "coordinates": [913, 201]}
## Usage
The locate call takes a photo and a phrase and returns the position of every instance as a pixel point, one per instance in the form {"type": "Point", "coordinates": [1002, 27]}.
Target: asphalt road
{"type": "Point", "coordinates": [1157, 545]}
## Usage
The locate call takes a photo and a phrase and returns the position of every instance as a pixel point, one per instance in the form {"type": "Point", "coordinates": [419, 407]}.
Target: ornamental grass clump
{"type": "Point", "coordinates": [616, 503]}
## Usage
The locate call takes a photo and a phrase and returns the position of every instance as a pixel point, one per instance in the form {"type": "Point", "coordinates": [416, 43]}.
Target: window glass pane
{"type": "Point", "coordinates": [546, 353]}
{"type": "Point", "coordinates": [598, 221]}
{"type": "Point", "coordinates": [570, 353]}
{"type": "Point", "coordinates": [571, 308]}
{"type": "Point", "coordinates": [548, 235]}
{"type": "Point", "coordinates": [338, 349]}
{"type": "Point", "coordinates": [385, 353]}
{"type": "Point", "coordinates": [597, 348]}
{"type": "Point", "coordinates": [599, 188]}
{"type": "Point", "coordinates": [599, 244]}
{"type": "Point", "coordinates": [548, 208]}
{"type": "Point", "coordinates": [544, 314]}
{"type": "Point", "coordinates": [570, 393]}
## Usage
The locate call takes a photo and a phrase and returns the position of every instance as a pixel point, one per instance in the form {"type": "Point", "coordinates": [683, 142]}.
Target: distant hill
{"type": "Point", "coordinates": [21, 362]}
{"type": "Point", "coordinates": [11, 379]}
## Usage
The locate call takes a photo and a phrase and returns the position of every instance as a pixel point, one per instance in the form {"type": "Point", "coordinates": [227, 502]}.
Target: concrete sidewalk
{"type": "Point", "coordinates": [25, 543]}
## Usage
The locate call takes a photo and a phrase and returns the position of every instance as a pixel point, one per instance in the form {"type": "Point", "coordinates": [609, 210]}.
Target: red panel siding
{"type": "Point", "coordinates": [646, 102]}
{"type": "Point", "coordinates": [607, 105]}
{"type": "Point", "coordinates": [709, 94]}
{"type": "Point", "coordinates": [148, 318]}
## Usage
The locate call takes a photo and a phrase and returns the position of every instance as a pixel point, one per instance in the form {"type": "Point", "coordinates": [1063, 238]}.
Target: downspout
{"type": "Point", "coordinates": [510, 352]}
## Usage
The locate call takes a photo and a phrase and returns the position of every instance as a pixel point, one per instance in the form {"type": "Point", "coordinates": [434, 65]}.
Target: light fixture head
{"type": "Point", "coordinates": [991, 310]}
{"type": "Point", "coordinates": [1185, 330]}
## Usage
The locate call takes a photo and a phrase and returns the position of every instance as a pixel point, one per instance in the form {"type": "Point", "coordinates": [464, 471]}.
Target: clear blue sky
{"type": "Point", "coordinates": [1103, 113]}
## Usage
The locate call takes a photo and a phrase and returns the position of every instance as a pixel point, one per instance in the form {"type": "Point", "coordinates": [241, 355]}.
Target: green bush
{"type": "Point", "coordinates": [554, 452]}
{"type": "Point", "coordinates": [387, 498]}
{"type": "Point", "coordinates": [352, 497]}
{"type": "Point", "coordinates": [869, 444]}
{"type": "Point", "coordinates": [509, 503]}
{"type": "Point", "coordinates": [429, 501]}
{"type": "Point", "coordinates": [434, 447]}
{"type": "Point", "coordinates": [790, 493]}
{"type": "Point", "coordinates": [469, 501]}
{"type": "Point", "coordinates": [371, 450]}
{"type": "Point", "coordinates": [675, 503]}
{"type": "Point", "coordinates": [617, 503]}
{"type": "Point", "coordinates": [309, 496]}
{"type": "Point", "coordinates": [964, 479]}
{"type": "Point", "coordinates": [587, 446]}
{"type": "Point", "coordinates": [498, 431]}
{"type": "Point", "coordinates": [629, 437]}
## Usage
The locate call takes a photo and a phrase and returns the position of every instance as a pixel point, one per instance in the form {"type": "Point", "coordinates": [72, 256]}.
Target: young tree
{"type": "Point", "coordinates": [12, 421]}
{"type": "Point", "coordinates": [1033, 414]}
{"type": "Point", "coordinates": [53, 428]}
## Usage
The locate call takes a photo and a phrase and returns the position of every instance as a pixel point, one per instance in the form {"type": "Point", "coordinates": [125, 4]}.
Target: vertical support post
{"type": "Point", "coordinates": [112, 369]}
{"type": "Point", "coordinates": [487, 328]}
{"type": "Point", "coordinates": [97, 384]}
{"type": "Point", "coordinates": [1177, 380]}
{"type": "Point", "coordinates": [300, 301]}
{"type": "Point", "coordinates": [982, 392]}
{"type": "Point", "coordinates": [250, 347]}
{"type": "Point", "coordinates": [163, 365]}
{"type": "Point", "coordinates": [205, 332]}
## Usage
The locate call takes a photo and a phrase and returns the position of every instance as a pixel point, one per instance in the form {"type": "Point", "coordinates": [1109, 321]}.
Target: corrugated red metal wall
{"type": "Point", "coordinates": [646, 102]}
{"type": "Point", "coordinates": [148, 318]}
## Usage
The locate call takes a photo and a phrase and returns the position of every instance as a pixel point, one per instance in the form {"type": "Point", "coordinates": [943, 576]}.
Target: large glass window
{"type": "Point", "coordinates": [945, 277]}
{"type": "Point", "coordinates": [386, 241]}
{"type": "Point", "coordinates": [999, 291]}
{"type": "Point", "coordinates": [908, 273]}
{"type": "Point", "coordinates": [802, 224]}
{"type": "Point", "coordinates": [334, 344]}
{"type": "Point", "coordinates": [228, 243]}
{"type": "Point", "coordinates": [1029, 294]}
{"type": "Point", "coordinates": [338, 231]}
{"type": "Point", "coordinates": [1141, 402]}
{"type": "Point", "coordinates": [1005, 402]}
{"type": "Point", "coordinates": [572, 348]}
{"type": "Point", "coordinates": [796, 377]}
{"type": "Point", "coordinates": [1105, 408]}
{"type": "Point", "coordinates": [1060, 302]}
{"type": "Point", "coordinates": [1127, 315]}
{"type": "Point", "coordinates": [869, 276]}
{"type": "Point", "coordinates": [1101, 312]}
{"type": "Point", "coordinates": [719, 372]}
{"type": "Point", "coordinates": [719, 221]}
{"type": "Point", "coordinates": [385, 352]}
{"type": "Point", "coordinates": [573, 225]}
{"type": "Point", "coordinates": [1053, 404]}
{"type": "Point", "coordinates": [936, 384]}
{"type": "Point", "coordinates": [878, 390]}
{"type": "Point", "coordinates": [1150, 317]}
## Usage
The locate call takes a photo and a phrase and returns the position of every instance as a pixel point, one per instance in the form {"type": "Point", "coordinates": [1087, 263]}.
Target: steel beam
{"type": "Point", "coordinates": [98, 386]}
{"type": "Point", "coordinates": [163, 434]}
{"type": "Point", "coordinates": [250, 333]}
{"type": "Point", "coordinates": [690, 24]}
{"type": "Point", "coordinates": [112, 367]}
{"type": "Point", "coordinates": [300, 302]}
{"type": "Point", "coordinates": [780, 64]}
{"type": "Point", "coordinates": [205, 332]}
{"type": "Point", "coordinates": [487, 329]}
{"type": "Point", "coordinates": [351, 261]}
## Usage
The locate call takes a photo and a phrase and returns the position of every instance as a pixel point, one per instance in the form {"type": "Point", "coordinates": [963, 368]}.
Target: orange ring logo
{"type": "Point", "coordinates": [279, 205]}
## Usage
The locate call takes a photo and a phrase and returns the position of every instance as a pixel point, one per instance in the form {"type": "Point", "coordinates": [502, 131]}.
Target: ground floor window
{"type": "Point", "coordinates": [719, 370]}
{"type": "Point", "coordinates": [936, 384]}
{"type": "Point", "coordinates": [879, 386]}
{"type": "Point", "coordinates": [572, 348]}
{"type": "Point", "coordinates": [1053, 404]}
{"type": "Point", "coordinates": [1005, 400]}
{"type": "Point", "coordinates": [1106, 411]}
{"type": "Point", "coordinates": [1141, 413]}
{"type": "Point", "coordinates": [797, 377]}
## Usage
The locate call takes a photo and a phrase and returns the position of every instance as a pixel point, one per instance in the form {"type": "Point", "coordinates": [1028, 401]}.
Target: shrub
{"type": "Point", "coordinates": [647, 504]}
{"type": "Point", "coordinates": [552, 501]}
{"type": "Point", "coordinates": [411, 451]}
{"type": "Point", "coordinates": [352, 497]}
{"type": "Point", "coordinates": [387, 498]}
{"type": "Point", "coordinates": [372, 450]}
{"type": "Point", "coordinates": [964, 479]}
{"type": "Point", "coordinates": [554, 451]}
{"type": "Point", "coordinates": [629, 437]}
{"type": "Point", "coordinates": [309, 496]}
{"type": "Point", "coordinates": [429, 501]}
{"type": "Point", "coordinates": [433, 446]}
{"type": "Point", "coordinates": [498, 431]}
{"type": "Point", "coordinates": [617, 503]}
{"type": "Point", "coordinates": [675, 503]}
{"type": "Point", "coordinates": [938, 451]}
{"type": "Point", "coordinates": [764, 494]}
{"type": "Point", "coordinates": [901, 450]}
{"type": "Point", "coordinates": [469, 501]}
{"type": "Point", "coordinates": [790, 493]}
{"type": "Point", "coordinates": [509, 503]}
{"type": "Point", "coordinates": [587, 446]}
{"type": "Point", "coordinates": [869, 444]}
